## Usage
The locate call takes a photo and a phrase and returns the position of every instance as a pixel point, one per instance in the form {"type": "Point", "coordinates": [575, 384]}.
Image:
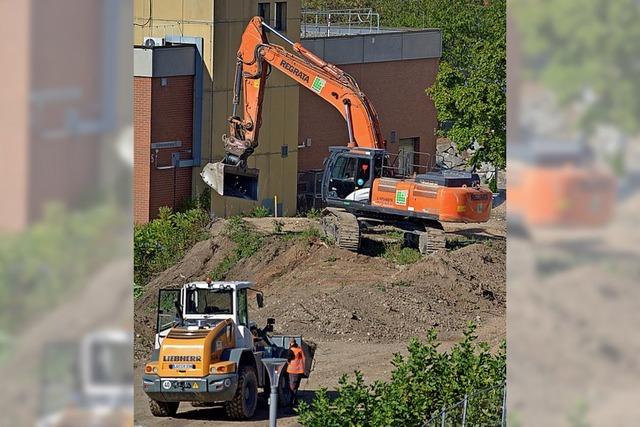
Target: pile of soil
{"type": "Point", "coordinates": [329, 294]}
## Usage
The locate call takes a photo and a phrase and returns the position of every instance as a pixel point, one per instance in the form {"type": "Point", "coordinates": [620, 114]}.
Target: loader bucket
{"type": "Point", "coordinates": [231, 181]}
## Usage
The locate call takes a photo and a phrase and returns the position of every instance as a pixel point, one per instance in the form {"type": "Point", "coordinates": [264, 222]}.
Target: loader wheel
{"type": "Point", "coordinates": [243, 404]}
{"type": "Point", "coordinates": [163, 409]}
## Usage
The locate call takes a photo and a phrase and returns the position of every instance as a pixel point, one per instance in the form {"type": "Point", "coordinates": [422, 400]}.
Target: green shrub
{"type": "Point", "coordinates": [43, 264]}
{"type": "Point", "coordinates": [493, 184]}
{"type": "Point", "coordinates": [311, 234]}
{"type": "Point", "coordinates": [278, 226]}
{"type": "Point", "coordinates": [202, 201]}
{"type": "Point", "coordinates": [421, 384]}
{"type": "Point", "coordinates": [395, 252]}
{"type": "Point", "coordinates": [314, 213]}
{"type": "Point", "coordinates": [259, 212]}
{"type": "Point", "coordinates": [160, 243]}
{"type": "Point", "coordinates": [247, 240]}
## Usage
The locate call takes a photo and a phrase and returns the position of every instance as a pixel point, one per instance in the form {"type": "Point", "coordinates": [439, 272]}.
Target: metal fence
{"type": "Point", "coordinates": [485, 408]}
{"type": "Point", "coordinates": [339, 22]}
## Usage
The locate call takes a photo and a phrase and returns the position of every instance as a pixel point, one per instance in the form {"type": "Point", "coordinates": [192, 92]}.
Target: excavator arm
{"type": "Point", "coordinates": [255, 58]}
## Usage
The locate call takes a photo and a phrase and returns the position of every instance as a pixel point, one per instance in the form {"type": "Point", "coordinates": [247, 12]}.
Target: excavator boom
{"type": "Point", "coordinates": [231, 176]}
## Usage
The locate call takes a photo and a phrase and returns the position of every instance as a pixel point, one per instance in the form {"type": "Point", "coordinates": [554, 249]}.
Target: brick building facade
{"type": "Point", "coordinates": [163, 129]}
{"type": "Point", "coordinates": [216, 26]}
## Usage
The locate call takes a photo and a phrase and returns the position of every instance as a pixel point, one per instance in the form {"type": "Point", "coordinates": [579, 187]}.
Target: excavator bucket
{"type": "Point", "coordinates": [231, 181]}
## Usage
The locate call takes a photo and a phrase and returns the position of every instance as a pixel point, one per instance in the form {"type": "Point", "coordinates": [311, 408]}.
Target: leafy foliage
{"type": "Point", "coordinates": [311, 234]}
{"type": "Point", "coordinates": [160, 243]}
{"type": "Point", "coordinates": [40, 266]}
{"type": "Point", "coordinates": [583, 51]}
{"type": "Point", "coordinates": [421, 384]}
{"type": "Point", "coordinates": [259, 212]}
{"type": "Point", "coordinates": [278, 226]}
{"type": "Point", "coordinates": [247, 240]}
{"type": "Point", "coordinates": [202, 201]}
{"type": "Point", "coordinates": [314, 213]}
{"type": "Point", "coordinates": [395, 252]}
{"type": "Point", "coordinates": [470, 88]}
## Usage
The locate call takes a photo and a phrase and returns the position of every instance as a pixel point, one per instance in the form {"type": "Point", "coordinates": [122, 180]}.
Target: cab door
{"type": "Point", "coordinates": [347, 177]}
{"type": "Point", "coordinates": [168, 314]}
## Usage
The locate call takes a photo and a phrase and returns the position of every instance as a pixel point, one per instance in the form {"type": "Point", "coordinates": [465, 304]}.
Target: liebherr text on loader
{"type": "Point", "coordinates": [208, 352]}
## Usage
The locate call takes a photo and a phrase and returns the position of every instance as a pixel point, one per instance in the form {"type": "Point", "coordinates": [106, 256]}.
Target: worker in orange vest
{"type": "Point", "coordinates": [295, 369]}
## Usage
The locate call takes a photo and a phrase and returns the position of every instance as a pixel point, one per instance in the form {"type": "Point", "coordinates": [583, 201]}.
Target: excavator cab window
{"type": "Point", "coordinates": [351, 178]}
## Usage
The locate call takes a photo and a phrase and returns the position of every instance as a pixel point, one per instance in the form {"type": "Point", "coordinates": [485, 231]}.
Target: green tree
{"type": "Point", "coordinates": [421, 384]}
{"type": "Point", "coordinates": [470, 88]}
{"type": "Point", "coordinates": [584, 52]}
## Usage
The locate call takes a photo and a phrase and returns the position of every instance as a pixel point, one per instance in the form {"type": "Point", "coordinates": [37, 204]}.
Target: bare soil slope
{"type": "Point", "coordinates": [326, 293]}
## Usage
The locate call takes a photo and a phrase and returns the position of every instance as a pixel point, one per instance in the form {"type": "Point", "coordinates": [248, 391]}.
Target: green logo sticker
{"type": "Point", "coordinates": [401, 197]}
{"type": "Point", "coordinates": [318, 84]}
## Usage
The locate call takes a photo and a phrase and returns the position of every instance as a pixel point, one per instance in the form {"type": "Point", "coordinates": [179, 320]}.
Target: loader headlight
{"type": "Point", "coordinates": [150, 368]}
{"type": "Point", "coordinates": [222, 368]}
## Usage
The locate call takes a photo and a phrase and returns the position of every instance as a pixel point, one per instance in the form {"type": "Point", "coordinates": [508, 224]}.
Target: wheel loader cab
{"type": "Point", "coordinates": [349, 174]}
{"type": "Point", "coordinates": [203, 305]}
{"type": "Point", "coordinates": [207, 350]}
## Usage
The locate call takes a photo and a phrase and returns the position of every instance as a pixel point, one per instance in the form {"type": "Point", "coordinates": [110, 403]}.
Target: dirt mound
{"type": "Point", "coordinates": [326, 293]}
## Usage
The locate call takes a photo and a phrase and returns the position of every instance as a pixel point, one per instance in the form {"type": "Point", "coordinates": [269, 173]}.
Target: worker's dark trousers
{"type": "Point", "coordinates": [294, 384]}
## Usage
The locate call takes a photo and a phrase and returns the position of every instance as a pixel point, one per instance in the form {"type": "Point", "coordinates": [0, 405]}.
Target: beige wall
{"type": "Point", "coordinates": [221, 23]}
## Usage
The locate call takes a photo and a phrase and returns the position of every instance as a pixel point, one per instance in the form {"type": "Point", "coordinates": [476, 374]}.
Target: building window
{"type": "Point", "coordinates": [281, 16]}
{"type": "Point", "coordinates": [264, 10]}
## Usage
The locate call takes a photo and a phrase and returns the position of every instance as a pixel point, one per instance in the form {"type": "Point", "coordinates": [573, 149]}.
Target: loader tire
{"type": "Point", "coordinates": [243, 404]}
{"type": "Point", "coordinates": [163, 409]}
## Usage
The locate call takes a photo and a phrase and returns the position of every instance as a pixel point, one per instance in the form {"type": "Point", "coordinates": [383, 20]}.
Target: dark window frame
{"type": "Point", "coordinates": [280, 16]}
{"type": "Point", "coordinates": [262, 8]}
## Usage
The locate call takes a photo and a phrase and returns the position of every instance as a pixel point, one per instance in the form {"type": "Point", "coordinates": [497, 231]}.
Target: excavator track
{"type": "Point", "coordinates": [427, 241]}
{"type": "Point", "coordinates": [341, 227]}
{"type": "Point", "coordinates": [436, 241]}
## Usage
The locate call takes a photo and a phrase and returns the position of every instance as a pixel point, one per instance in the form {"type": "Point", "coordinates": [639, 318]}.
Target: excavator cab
{"type": "Point", "coordinates": [349, 174]}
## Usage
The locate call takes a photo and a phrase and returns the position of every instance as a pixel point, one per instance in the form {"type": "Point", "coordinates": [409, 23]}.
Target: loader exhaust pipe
{"type": "Point", "coordinates": [231, 180]}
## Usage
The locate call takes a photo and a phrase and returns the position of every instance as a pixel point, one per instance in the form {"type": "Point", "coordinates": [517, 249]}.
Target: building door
{"type": "Point", "coordinates": [407, 155]}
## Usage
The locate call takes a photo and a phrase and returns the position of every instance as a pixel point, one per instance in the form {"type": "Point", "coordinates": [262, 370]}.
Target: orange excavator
{"type": "Point", "coordinates": [361, 185]}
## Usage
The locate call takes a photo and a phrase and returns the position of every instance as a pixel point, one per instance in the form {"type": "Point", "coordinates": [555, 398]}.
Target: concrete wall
{"type": "Point", "coordinates": [383, 47]}
{"type": "Point", "coordinates": [221, 23]}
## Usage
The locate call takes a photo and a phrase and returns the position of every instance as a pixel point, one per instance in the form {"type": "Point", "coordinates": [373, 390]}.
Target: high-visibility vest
{"type": "Point", "coordinates": [296, 365]}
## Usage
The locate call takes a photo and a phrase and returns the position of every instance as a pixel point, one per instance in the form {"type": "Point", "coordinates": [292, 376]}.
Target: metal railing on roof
{"type": "Point", "coordinates": [339, 22]}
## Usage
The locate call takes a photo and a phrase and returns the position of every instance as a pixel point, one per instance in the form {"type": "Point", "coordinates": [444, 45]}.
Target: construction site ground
{"type": "Point", "coordinates": [359, 309]}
